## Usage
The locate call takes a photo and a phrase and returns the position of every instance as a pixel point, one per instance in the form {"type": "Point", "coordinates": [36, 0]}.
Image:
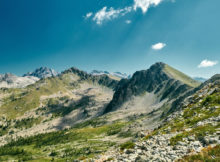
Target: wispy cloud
{"type": "Point", "coordinates": [106, 14]}
{"type": "Point", "coordinates": [128, 21]}
{"type": "Point", "coordinates": [158, 46]}
{"type": "Point", "coordinates": [88, 15]}
{"type": "Point", "coordinates": [207, 63]}
{"type": "Point", "coordinates": [145, 4]}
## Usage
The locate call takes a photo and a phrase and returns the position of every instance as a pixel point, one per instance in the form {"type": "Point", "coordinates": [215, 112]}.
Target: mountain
{"type": "Point", "coordinates": [160, 82]}
{"type": "Point", "coordinates": [114, 75]}
{"type": "Point", "coordinates": [61, 102]}
{"type": "Point", "coordinates": [104, 80]}
{"type": "Point", "coordinates": [159, 114]}
{"type": "Point", "coordinates": [12, 81]}
{"type": "Point", "coordinates": [200, 79]}
{"type": "Point", "coordinates": [188, 134]}
{"type": "Point", "coordinates": [42, 72]}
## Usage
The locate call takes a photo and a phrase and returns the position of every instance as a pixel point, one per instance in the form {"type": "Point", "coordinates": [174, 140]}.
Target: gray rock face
{"type": "Point", "coordinates": [42, 72]}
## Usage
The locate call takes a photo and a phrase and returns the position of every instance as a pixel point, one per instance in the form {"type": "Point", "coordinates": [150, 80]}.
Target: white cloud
{"type": "Point", "coordinates": [128, 21]}
{"type": "Point", "coordinates": [145, 4]}
{"type": "Point", "coordinates": [158, 46]}
{"type": "Point", "coordinates": [109, 14]}
{"type": "Point", "coordinates": [207, 63]}
{"type": "Point", "coordinates": [88, 15]}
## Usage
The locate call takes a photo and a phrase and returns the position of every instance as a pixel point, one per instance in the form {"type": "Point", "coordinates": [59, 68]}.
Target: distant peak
{"type": "Point", "coordinates": [76, 71]}
{"type": "Point", "coordinates": [115, 74]}
{"type": "Point", "coordinates": [42, 72]}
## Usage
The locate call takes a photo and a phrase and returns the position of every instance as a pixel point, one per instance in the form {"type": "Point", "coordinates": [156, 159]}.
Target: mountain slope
{"type": "Point", "coordinates": [69, 82]}
{"type": "Point", "coordinates": [183, 133]}
{"type": "Point", "coordinates": [53, 103]}
{"type": "Point", "coordinates": [160, 80]}
{"type": "Point", "coordinates": [64, 118]}
{"type": "Point", "coordinates": [173, 73]}
{"type": "Point", "coordinates": [191, 133]}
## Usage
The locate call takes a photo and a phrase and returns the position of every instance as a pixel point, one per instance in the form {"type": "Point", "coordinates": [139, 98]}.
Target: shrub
{"type": "Point", "coordinates": [127, 145]}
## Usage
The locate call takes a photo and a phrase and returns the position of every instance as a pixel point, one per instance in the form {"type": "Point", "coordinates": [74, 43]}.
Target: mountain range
{"type": "Point", "coordinates": [42, 72]}
{"type": "Point", "coordinates": [157, 114]}
{"type": "Point", "coordinates": [114, 75]}
{"type": "Point", "coordinates": [12, 81]}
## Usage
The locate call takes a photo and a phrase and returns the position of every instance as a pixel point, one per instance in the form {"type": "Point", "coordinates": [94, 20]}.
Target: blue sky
{"type": "Point", "coordinates": [113, 35]}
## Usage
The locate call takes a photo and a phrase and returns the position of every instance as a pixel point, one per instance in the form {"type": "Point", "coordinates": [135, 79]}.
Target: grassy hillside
{"type": "Point", "coordinates": [85, 140]}
{"type": "Point", "coordinates": [20, 101]}
{"type": "Point", "coordinates": [16, 102]}
{"type": "Point", "coordinates": [180, 76]}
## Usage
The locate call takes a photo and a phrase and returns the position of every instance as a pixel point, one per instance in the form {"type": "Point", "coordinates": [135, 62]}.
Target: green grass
{"type": "Point", "coordinates": [181, 76]}
{"type": "Point", "coordinates": [127, 145]}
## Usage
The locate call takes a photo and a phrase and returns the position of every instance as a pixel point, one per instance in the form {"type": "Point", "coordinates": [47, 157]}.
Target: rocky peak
{"type": "Point", "coordinates": [82, 74]}
{"type": "Point", "coordinates": [42, 72]}
{"type": "Point", "coordinates": [157, 79]}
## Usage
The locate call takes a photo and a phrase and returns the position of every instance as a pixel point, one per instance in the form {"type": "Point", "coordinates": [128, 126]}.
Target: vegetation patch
{"type": "Point", "coordinates": [69, 144]}
{"type": "Point", "coordinates": [27, 122]}
{"type": "Point", "coordinates": [127, 145]}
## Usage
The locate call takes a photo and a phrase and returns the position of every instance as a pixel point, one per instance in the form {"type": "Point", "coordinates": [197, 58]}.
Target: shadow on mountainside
{"type": "Point", "coordinates": [85, 108]}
